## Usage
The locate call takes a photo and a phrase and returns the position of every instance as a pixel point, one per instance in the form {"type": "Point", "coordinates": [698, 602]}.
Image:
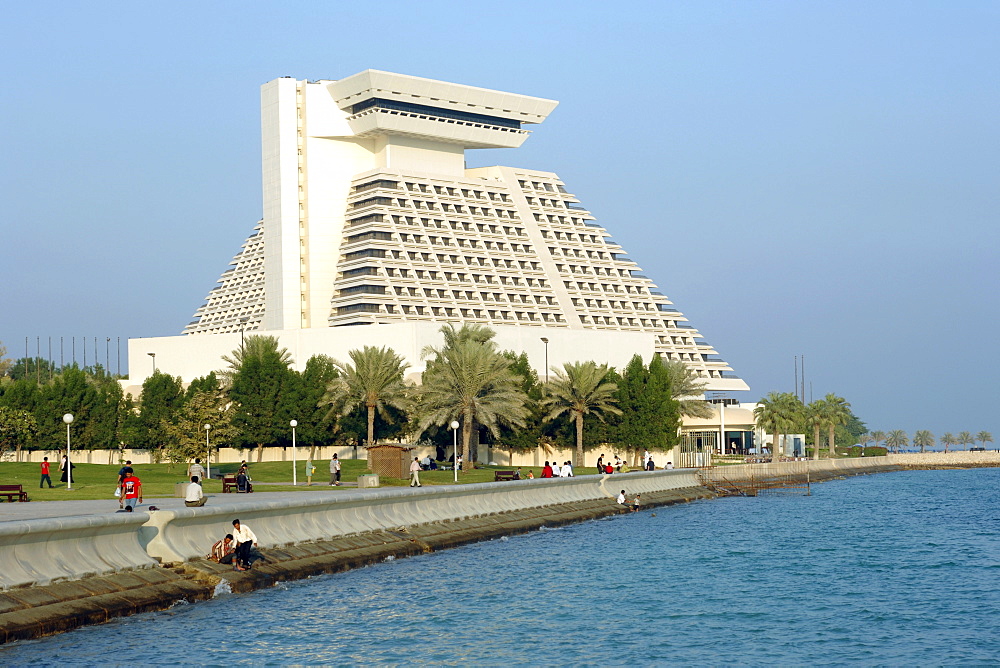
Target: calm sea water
{"type": "Point", "coordinates": [899, 568]}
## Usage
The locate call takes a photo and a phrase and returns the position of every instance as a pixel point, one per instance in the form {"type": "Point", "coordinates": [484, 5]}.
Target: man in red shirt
{"type": "Point", "coordinates": [131, 491]}
{"type": "Point", "coordinates": [45, 474]}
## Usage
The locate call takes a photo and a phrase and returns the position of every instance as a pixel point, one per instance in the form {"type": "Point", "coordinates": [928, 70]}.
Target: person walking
{"type": "Point", "coordinates": [245, 539]}
{"type": "Point", "coordinates": [194, 497]}
{"type": "Point", "coordinates": [66, 466]}
{"type": "Point", "coordinates": [45, 474]}
{"type": "Point", "coordinates": [131, 491]}
{"type": "Point", "coordinates": [415, 473]}
{"type": "Point", "coordinates": [334, 470]}
{"type": "Point", "coordinates": [196, 469]}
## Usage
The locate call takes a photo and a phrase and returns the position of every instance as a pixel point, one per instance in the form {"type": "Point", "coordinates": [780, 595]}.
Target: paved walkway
{"type": "Point", "coordinates": [15, 512]}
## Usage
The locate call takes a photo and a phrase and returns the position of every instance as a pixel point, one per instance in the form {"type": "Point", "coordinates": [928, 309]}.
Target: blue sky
{"type": "Point", "coordinates": [800, 178]}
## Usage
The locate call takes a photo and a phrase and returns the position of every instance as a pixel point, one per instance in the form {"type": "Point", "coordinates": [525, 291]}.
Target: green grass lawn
{"type": "Point", "coordinates": [97, 481]}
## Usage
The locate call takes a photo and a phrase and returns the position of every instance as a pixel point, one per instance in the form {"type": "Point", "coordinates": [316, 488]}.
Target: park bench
{"type": "Point", "coordinates": [10, 491]}
{"type": "Point", "coordinates": [504, 475]}
{"type": "Point", "coordinates": [229, 485]}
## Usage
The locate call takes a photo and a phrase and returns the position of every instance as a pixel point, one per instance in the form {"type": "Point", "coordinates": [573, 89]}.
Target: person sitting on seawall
{"type": "Point", "coordinates": [669, 466]}
{"type": "Point", "coordinates": [194, 497]}
{"type": "Point", "coordinates": [547, 470]}
{"type": "Point", "coordinates": [245, 539]}
{"type": "Point", "coordinates": [223, 550]}
{"type": "Point", "coordinates": [531, 474]}
{"type": "Point", "coordinates": [567, 471]}
{"type": "Point", "coordinates": [621, 498]}
{"type": "Point", "coordinates": [650, 466]}
{"type": "Point", "coordinates": [517, 474]}
{"type": "Point", "coordinates": [609, 469]}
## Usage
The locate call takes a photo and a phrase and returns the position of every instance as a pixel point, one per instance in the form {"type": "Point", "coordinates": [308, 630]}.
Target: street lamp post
{"type": "Point", "coordinates": [546, 342]}
{"type": "Point", "coordinates": [153, 355]}
{"type": "Point", "coordinates": [295, 479]}
{"type": "Point", "coordinates": [454, 446]}
{"type": "Point", "coordinates": [68, 419]}
{"type": "Point", "coordinates": [208, 454]}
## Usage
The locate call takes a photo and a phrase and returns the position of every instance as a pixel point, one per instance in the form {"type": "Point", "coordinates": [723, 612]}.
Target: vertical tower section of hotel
{"type": "Point", "coordinates": [371, 216]}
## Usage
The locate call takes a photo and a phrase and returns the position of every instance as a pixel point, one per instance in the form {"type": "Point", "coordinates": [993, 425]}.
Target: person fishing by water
{"type": "Point", "coordinates": [245, 539]}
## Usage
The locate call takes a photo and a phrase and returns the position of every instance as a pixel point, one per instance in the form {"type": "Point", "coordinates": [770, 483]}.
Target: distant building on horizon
{"type": "Point", "coordinates": [374, 232]}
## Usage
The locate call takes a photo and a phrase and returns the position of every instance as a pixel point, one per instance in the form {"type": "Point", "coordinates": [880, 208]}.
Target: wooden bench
{"type": "Point", "coordinates": [504, 475]}
{"type": "Point", "coordinates": [229, 485]}
{"type": "Point", "coordinates": [10, 491]}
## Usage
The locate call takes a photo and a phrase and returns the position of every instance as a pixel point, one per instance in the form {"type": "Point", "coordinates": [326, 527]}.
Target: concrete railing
{"type": "Point", "coordinates": [188, 533]}
{"type": "Point", "coordinates": [36, 552]}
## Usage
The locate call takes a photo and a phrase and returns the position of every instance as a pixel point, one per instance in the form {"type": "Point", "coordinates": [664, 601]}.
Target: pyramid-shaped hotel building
{"type": "Point", "coordinates": [375, 233]}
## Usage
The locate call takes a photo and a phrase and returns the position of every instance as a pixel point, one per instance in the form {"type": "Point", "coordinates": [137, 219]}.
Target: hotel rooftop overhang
{"type": "Point", "coordinates": [384, 103]}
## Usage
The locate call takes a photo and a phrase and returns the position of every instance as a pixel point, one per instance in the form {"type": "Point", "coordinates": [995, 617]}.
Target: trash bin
{"type": "Point", "coordinates": [180, 489]}
{"type": "Point", "coordinates": [368, 480]}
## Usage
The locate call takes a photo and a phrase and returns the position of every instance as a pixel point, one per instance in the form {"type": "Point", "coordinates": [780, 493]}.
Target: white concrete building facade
{"type": "Point", "coordinates": [374, 232]}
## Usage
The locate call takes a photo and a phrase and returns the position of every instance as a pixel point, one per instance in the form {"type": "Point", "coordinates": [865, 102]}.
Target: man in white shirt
{"type": "Point", "coordinates": [415, 473]}
{"type": "Point", "coordinates": [669, 465]}
{"type": "Point", "coordinates": [567, 471]}
{"type": "Point", "coordinates": [194, 497]}
{"type": "Point", "coordinates": [245, 539]}
{"type": "Point", "coordinates": [621, 498]}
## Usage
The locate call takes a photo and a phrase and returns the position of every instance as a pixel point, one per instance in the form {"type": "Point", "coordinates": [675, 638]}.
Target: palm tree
{"type": "Point", "coordinates": [687, 388]}
{"type": "Point", "coordinates": [878, 436]}
{"type": "Point", "coordinates": [965, 439]}
{"type": "Point", "coordinates": [984, 437]}
{"type": "Point", "coordinates": [375, 380]}
{"type": "Point", "coordinates": [948, 440]}
{"type": "Point", "coordinates": [253, 347]}
{"type": "Point", "coordinates": [923, 439]}
{"type": "Point", "coordinates": [896, 439]}
{"type": "Point", "coordinates": [580, 388]}
{"type": "Point", "coordinates": [778, 413]}
{"type": "Point", "coordinates": [814, 418]}
{"type": "Point", "coordinates": [470, 381]}
{"type": "Point", "coordinates": [836, 411]}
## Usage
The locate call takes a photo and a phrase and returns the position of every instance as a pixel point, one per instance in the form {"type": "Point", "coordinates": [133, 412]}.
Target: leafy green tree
{"type": "Point", "coordinates": [923, 439]}
{"type": "Point", "coordinates": [650, 415]}
{"type": "Point", "coordinates": [523, 439]}
{"type": "Point", "coordinates": [316, 427]}
{"type": "Point", "coordinates": [160, 401]}
{"type": "Point", "coordinates": [965, 439]}
{"type": "Point", "coordinates": [778, 413]}
{"type": "Point", "coordinates": [948, 440]}
{"type": "Point", "coordinates": [896, 439]}
{"type": "Point", "coordinates": [17, 429]}
{"type": "Point", "coordinates": [259, 378]}
{"type": "Point", "coordinates": [580, 389]}
{"type": "Point", "coordinates": [374, 380]}
{"type": "Point", "coordinates": [187, 431]}
{"type": "Point", "coordinates": [984, 437]}
{"type": "Point", "coordinates": [469, 381]}
{"type": "Point", "coordinates": [836, 411]}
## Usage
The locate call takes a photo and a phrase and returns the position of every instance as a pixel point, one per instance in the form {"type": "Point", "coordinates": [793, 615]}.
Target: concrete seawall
{"type": "Point", "coordinates": [60, 573]}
